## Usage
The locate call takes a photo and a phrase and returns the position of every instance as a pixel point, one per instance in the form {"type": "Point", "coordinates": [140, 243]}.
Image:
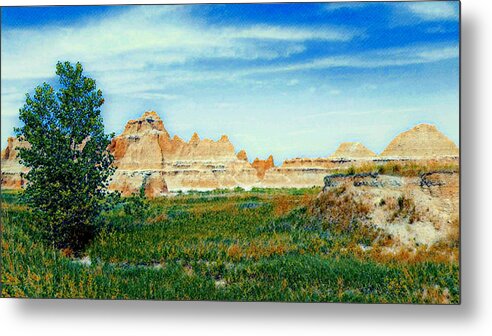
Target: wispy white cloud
{"type": "Point", "coordinates": [375, 59]}
{"type": "Point", "coordinates": [158, 95]}
{"type": "Point", "coordinates": [150, 35]}
{"type": "Point", "coordinates": [326, 33]}
{"type": "Point", "coordinates": [142, 52]}
{"type": "Point", "coordinates": [142, 49]}
{"type": "Point", "coordinates": [293, 82]}
{"type": "Point", "coordinates": [434, 10]}
{"type": "Point", "coordinates": [336, 6]}
{"type": "Point", "coordinates": [359, 112]}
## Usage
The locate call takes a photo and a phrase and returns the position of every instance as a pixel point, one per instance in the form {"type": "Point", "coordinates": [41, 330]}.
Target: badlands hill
{"type": "Point", "coordinates": [422, 141]}
{"type": "Point", "coordinates": [147, 156]}
{"type": "Point", "coordinates": [352, 150]}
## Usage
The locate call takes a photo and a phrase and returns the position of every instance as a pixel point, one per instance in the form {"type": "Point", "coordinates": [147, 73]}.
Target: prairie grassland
{"type": "Point", "coordinates": [261, 245]}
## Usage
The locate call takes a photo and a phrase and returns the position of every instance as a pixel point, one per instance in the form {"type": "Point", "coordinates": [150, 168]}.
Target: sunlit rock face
{"type": "Point", "coordinates": [129, 182]}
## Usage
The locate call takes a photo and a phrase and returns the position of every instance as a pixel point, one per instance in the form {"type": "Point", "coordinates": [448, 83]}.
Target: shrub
{"type": "Point", "coordinates": [137, 206]}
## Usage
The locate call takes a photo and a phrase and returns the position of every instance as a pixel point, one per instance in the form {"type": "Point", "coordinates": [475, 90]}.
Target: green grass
{"type": "Point", "coordinates": [231, 245]}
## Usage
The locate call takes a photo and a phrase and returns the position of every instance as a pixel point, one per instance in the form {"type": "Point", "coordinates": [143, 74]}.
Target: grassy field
{"type": "Point", "coordinates": [261, 245]}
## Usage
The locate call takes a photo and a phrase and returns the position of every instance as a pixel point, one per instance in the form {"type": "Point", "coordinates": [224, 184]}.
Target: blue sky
{"type": "Point", "coordinates": [284, 79]}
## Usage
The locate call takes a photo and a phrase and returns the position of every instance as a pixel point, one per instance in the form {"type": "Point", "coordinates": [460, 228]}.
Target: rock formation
{"type": "Point", "coordinates": [422, 141]}
{"type": "Point", "coordinates": [11, 152]}
{"type": "Point", "coordinates": [352, 150]}
{"type": "Point", "coordinates": [262, 166]}
{"type": "Point", "coordinates": [146, 156]}
{"type": "Point", "coordinates": [11, 167]}
{"type": "Point", "coordinates": [130, 182]}
{"type": "Point", "coordinates": [146, 150]}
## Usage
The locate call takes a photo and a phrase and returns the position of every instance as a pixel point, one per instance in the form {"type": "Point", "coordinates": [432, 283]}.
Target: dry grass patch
{"type": "Point", "coordinates": [340, 210]}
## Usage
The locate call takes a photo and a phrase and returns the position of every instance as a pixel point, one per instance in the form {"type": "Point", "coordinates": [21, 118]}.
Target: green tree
{"type": "Point", "coordinates": [69, 163]}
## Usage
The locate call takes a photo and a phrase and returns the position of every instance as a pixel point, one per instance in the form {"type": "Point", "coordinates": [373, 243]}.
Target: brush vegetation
{"type": "Point", "coordinates": [259, 245]}
{"type": "Point", "coordinates": [408, 168]}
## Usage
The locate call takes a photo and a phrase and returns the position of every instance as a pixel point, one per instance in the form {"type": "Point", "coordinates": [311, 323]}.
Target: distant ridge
{"type": "Point", "coordinates": [147, 156]}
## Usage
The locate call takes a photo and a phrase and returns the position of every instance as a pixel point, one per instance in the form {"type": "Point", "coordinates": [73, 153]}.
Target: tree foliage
{"type": "Point", "coordinates": [69, 163]}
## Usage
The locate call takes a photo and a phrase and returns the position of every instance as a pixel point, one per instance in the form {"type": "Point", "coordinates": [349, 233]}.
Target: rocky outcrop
{"type": "Point", "coordinates": [422, 141]}
{"type": "Point", "coordinates": [146, 156]}
{"type": "Point", "coordinates": [300, 177]}
{"type": "Point", "coordinates": [352, 151]}
{"type": "Point", "coordinates": [11, 152]}
{"type": "Point", "coordinates": [412, 210]}
{"type": "Point", "coordinates": [262, 166]}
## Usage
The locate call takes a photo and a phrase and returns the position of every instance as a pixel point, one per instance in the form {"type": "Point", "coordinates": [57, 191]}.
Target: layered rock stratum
{"type": "Point", "coordinates": [146, 156]}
